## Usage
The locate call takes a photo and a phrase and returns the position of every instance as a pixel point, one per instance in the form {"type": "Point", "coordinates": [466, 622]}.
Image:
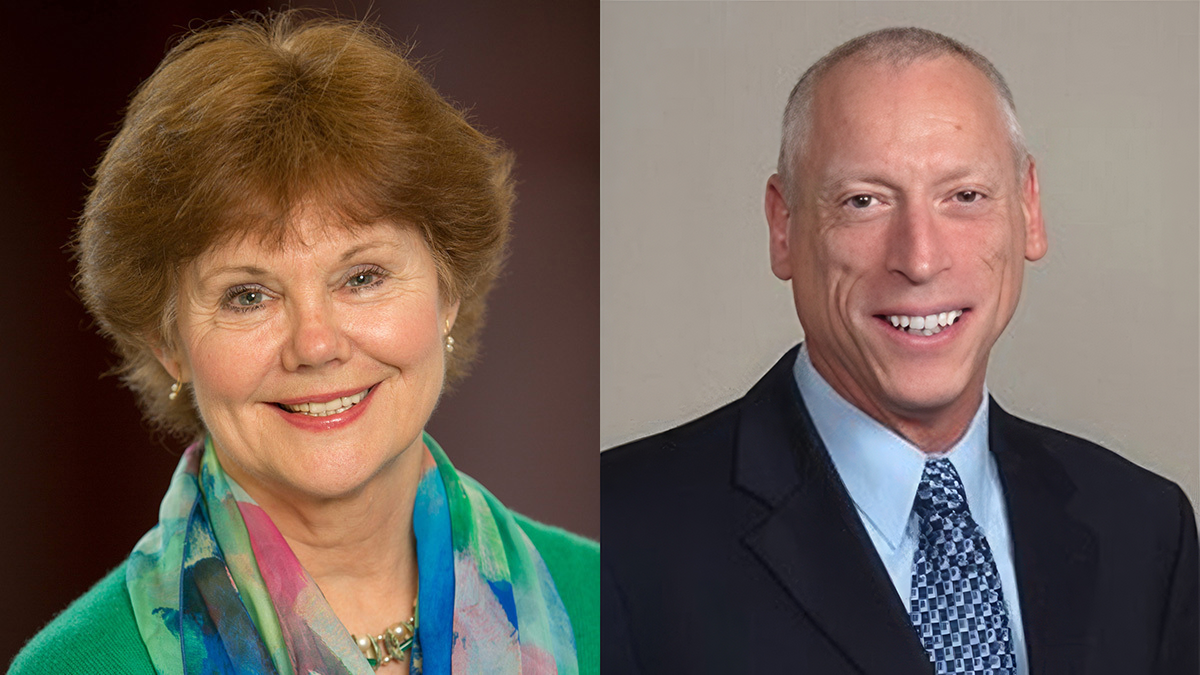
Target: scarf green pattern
{"type": "Point", "coordinates": [216, 588]}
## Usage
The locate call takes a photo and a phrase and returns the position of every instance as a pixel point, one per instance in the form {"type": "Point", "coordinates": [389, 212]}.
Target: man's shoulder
{"type": "Point", "coordinates": [1101, 478]}
{"type": "Point", "coordinates": [696, 453]}
{"type": "Point", "coordinates": [670, 492]}
{"type": "Point", "coordinates": [96, 634]}
{"type": "Point", "coordinates": [687, 453]}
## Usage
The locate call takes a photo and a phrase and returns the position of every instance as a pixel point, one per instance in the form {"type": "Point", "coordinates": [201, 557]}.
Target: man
{"type": "Point", "coordinates": [866, 507]}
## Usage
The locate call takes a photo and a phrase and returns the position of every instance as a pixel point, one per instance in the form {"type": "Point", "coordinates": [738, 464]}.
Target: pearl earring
{"type": "Point", "coordinates": [175, 389]}
{"type": "Point", "coordinates": [449, 339]}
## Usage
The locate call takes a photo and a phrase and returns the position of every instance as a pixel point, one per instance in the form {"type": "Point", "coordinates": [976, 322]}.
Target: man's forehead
{"type": "Point", "coordinates": [862, 80]}
{"type": "Point", "coordinates": [936, 114]}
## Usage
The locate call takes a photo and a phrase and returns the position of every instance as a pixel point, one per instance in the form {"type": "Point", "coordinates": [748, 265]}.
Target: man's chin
{"type": "Point", "coordinates": [929, 403]}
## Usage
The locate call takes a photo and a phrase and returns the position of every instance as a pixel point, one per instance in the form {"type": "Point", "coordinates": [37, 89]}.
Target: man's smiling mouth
{"type": "Point", "coordinates": [931, 324]}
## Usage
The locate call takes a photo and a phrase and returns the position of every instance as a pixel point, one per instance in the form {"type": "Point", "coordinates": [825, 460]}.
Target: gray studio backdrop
{"type": "Point", "coordinates": [1105, 341]}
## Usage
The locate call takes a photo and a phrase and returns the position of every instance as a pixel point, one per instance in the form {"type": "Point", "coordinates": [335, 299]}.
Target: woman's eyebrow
{"type": "Point", "coordinates": [209, 281]}
{"type": "Point", "coordinates": [251, 269]}
{"type": "Point", "coordinates": [353, 251]}
{"type": "Point", "coordinates": [241, 269]}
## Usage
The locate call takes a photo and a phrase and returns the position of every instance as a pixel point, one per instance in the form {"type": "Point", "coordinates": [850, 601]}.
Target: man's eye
{"type": "Point", "coordinates": [968, 196]}
{"type": "Point", "coordinates": [860, 201]}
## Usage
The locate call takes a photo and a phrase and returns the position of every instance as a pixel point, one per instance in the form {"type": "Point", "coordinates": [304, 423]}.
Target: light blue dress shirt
{"type": "Point", "coordinates": [881, 472]}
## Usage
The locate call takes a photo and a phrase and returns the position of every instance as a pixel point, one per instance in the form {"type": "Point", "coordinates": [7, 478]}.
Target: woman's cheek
{"type": "Point", "coordinates": [231, 364]}
{"type": "Point", "coordinates": [409, 332]}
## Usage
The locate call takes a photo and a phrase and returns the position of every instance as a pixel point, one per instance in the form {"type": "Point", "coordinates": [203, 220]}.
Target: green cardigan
{"type": "Point", "coordinates": [98, 634]}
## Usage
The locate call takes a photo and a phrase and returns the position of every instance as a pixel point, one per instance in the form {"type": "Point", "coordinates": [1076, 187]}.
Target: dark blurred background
{"type": "Point", "coordinates": [82, 476]}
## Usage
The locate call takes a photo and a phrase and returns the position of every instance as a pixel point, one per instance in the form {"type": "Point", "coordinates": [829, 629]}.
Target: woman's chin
{"type": "Point", "coordinates": [326, 471]}
{"type": "Point", "coordinates": [325, 488]}
{"type": "Point", "coordinates": [334, 475]}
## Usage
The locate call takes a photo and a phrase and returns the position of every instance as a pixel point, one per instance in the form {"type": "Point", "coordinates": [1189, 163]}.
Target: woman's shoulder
{"type": "Point", "coordinates": [96, 634]}
{"type": "Point", "coordinates": [573, 560]}
{"type": "Point", "coordinates": [574, 564]}
{"type": "Point", "coordinates": [560, 545]}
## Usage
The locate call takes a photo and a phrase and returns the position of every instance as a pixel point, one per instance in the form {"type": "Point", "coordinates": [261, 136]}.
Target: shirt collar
{"type": "Point", "coordinates": [880, 469]}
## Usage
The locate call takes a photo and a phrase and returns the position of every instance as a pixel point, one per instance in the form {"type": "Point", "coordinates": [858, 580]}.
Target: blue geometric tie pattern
{"type": "Point", "coordinates": [956, 603]}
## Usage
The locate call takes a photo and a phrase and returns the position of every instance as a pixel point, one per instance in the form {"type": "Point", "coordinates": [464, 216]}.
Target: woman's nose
{"type": "Point", "coordinates": [317, 336]}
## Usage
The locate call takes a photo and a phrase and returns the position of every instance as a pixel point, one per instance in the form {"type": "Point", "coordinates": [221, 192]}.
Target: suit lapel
{"type": "Point", "coordinates": [812, 541]}
{"type": "Point", "coordinates": [1054, 553]}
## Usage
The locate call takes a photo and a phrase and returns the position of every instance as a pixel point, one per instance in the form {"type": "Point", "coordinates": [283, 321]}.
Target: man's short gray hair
{"type": "Point", "coordinates": [897, 47]}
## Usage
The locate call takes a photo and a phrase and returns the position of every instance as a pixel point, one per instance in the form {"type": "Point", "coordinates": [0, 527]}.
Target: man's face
{"type": "Point", "coordinates": [907, 203]}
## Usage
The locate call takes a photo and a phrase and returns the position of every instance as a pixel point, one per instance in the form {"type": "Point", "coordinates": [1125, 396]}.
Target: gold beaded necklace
{"type": "Point", "coordinates": [392, 644]}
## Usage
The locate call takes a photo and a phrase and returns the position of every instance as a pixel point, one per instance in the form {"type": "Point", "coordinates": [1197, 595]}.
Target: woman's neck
{"type": "Point", "coordinates": [359, 548]}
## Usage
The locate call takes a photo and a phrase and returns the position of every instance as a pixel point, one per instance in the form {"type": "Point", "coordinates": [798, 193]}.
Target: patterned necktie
{"type": "Point", "coordinates": [956, 603]}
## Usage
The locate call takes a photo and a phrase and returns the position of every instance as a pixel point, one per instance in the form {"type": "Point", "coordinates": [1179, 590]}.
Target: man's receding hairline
{"type": "Point", "coordinates": [863, 60]}
{"type": "Point", "coordinates": [899, 48]}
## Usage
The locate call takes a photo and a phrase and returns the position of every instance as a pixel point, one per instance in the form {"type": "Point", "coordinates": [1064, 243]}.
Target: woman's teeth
{"type": "Point", "coordinates": [337, 405]}
{"type": "Point", "coordinates": [924, 325]}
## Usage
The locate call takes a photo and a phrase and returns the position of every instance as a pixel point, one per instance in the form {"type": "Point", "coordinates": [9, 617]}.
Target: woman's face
{"type": "Point", "coordinates": [314, 366]}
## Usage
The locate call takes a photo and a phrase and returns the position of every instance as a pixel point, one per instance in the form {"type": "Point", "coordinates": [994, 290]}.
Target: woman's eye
{"type": "Point", "coordinates": [248, 298]}
{"type": "Point", "coordinates": [860, 201]}
{"type": "Point", "coordinates": [245, 299]}
{"type": "Point", "coordinates": [361, 279]}
{"type": "Point", "coordinates": [967, 196]}
{"type": "Point", "coordinates": [366, 278]}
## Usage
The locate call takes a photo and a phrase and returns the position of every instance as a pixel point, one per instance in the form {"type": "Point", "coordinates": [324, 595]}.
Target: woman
{"type": "Point", "coordinates": [290, 242]}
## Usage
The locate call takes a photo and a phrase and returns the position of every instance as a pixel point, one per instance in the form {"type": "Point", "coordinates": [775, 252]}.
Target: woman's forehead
{"type": "Point", "coordinates": [309, 235]}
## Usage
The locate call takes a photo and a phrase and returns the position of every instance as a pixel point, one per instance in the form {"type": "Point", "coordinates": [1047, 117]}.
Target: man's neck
{"type": "Point", "coordinates": [933, 431]}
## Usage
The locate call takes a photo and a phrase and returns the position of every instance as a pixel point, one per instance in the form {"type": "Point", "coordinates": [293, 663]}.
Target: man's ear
{"type": "Point", "coordinates": [779, 223]}
{"type": "Point", "coordinates": [1031, 204]}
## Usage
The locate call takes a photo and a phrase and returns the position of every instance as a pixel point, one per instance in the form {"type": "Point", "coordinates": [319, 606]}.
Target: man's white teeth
{"type": "Point", "coordinates": [925, 325]}
{"type": "Point", "coordinates": [337, 405]}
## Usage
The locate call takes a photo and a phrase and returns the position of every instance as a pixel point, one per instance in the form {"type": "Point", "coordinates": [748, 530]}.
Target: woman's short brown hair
{"type": "Point", "coordinates": [241, 123]}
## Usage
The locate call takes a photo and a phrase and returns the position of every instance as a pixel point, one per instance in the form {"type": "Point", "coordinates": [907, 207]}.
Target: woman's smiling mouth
{"type": "Point", "coordinates": [334, 406]}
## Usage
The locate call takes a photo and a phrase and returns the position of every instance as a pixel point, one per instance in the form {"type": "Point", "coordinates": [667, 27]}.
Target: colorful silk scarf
{"type": "Point", "coordinates": [215, 587]}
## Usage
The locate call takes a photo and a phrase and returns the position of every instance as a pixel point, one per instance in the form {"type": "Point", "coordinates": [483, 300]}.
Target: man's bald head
{"type": "Point", "coordinates": [897, 47]}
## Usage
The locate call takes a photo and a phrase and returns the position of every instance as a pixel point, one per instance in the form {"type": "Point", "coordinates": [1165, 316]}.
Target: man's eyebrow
{"type": "Point", "coordinates": [835, 182]}
{"type": "Point", "coordinates": [962, 172]}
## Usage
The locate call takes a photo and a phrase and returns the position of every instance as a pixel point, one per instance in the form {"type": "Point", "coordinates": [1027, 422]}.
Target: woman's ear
{"type": "Point", "coordinates": [449, 314]}
{"type": "Point", "coordinates": [172, 361]}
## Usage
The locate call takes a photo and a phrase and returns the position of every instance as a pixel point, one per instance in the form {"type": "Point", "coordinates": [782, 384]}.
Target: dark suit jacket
{"type": "Point", "coordinates": [730, 545]}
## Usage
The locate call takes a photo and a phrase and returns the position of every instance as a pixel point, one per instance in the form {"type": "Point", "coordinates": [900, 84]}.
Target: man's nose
{"type": "Point", "coordinates": [917, 247]}
{"type": "Point", "coordinates": [317, 336]}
